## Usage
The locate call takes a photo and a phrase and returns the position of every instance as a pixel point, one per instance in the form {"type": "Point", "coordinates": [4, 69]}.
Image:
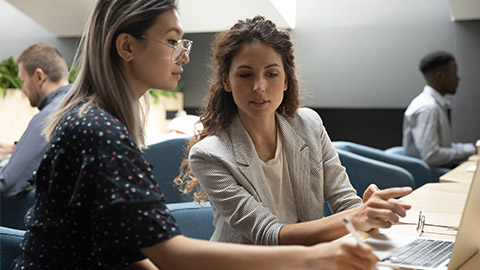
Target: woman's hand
{"type": "Point", "coordinates": [343, 254]}
{"type": "Point", "coordinates": [372, 188]}
{"type": "Point", "coordinates": [380, 208]}
{"type": "Point", "coordinates": [144, 264]}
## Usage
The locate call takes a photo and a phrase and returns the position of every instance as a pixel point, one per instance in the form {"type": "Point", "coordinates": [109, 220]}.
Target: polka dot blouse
{"type": "Point", "coordinates": [96, 202]}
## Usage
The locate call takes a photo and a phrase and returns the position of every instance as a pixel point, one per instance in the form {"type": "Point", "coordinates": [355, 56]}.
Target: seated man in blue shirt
{"type": "Point", "coordinates": [426, 122]}
{"type": "Point", "coordinates": [44, 74]}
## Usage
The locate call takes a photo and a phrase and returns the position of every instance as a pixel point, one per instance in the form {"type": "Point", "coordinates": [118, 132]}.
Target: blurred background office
{"type": "Point", "coordinates": [358, 60]}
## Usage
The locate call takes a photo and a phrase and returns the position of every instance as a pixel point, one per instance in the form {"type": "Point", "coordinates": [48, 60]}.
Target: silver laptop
{"type": "Point", "coordinates": [398, 251]}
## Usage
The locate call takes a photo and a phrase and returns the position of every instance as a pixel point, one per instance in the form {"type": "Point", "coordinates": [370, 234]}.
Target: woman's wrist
{"type": "Point", "coordinates": [356, 218]}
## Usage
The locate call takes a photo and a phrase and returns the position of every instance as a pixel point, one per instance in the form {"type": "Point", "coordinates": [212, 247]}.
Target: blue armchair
{"type": "Point", "coordinates": [435, 172]}
{"type": "Point", "coordinates": [194, 221]}
{"type": "Point", "coordinates": [10, 240]}
{"type": "Point", "coordinates": [166, 158]}
{"type": "Point", "coordinates": [13, 210]}
{"type": "Point", "coordinates": [364, 171]}
{"type": "Point", "coordinates": [398, 150]}
{"type": "Point", "coordinates": [418, 168]}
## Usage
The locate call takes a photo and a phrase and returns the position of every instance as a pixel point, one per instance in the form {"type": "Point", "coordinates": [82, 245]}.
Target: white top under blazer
{"type": "Point", "coordinates": [228, 169]}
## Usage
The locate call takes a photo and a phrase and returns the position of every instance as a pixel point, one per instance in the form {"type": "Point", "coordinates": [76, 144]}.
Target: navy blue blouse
{"type": "Point", "coordinates": [96, 203]}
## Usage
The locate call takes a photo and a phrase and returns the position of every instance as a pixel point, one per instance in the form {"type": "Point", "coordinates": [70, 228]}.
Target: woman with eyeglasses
{"type": "Point", "coordinates": [265, 164]}
{"type": "Point", "coordinates": [97, 205]}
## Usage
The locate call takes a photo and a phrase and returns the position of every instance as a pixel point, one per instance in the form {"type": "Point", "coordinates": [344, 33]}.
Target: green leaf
{"type": "Point", "coordinates": [9, 75]}
{"type": "Point", "coordinates": [72, 76]}
{"type": "Point", "coordinates": [156, 93]}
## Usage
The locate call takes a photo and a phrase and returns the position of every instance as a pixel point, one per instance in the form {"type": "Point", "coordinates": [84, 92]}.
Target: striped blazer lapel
{"type": "Point", "coordinates": [297, 155]}
{"type": "Point", "coordinates": [249, 164]}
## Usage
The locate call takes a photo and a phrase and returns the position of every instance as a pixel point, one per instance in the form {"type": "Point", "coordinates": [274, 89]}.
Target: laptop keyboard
{"type": "Point", "coordinates": [422, 252]}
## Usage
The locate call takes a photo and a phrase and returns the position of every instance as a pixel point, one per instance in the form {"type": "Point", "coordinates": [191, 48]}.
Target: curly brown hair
{"type": "Point", "coordinates": [220, 107]}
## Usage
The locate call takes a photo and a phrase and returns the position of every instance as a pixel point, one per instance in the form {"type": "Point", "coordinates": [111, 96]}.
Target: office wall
{"type": "Point", "coordinates": [357, 62]}
{"type": "Point", "coordinates": [364, 54]}
{"type": "Point", "coordinates": [18, 31]}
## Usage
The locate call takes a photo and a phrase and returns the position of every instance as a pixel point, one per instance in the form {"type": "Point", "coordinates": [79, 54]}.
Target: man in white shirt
{"type": "Point", "coordinates": [426, 122]}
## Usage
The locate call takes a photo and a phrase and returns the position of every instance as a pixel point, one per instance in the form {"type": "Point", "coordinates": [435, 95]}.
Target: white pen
{"type": "Point", "coordinates": [352, 230]}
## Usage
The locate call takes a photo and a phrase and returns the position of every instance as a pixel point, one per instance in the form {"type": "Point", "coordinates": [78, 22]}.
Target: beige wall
{"type": "Point", "coordinates": [16, 112]}
{"type": "Point", "coordinates": [156, 122]}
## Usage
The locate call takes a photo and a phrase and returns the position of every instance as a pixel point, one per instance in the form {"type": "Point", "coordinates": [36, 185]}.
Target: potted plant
{"type": "Point", "coordinates": [9, 79]}
{"type": "Point", "coordinates": [9, 76]}
{"type": "Point", "coordinates": [12, 100]}
{"type": "Point", "coordinates": [156, 93]}
{"type": "Point", "coordinates": [13, 103]}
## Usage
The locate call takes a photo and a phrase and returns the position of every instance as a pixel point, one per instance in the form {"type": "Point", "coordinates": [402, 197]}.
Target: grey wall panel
{"type": "Point", "coordinates": [350, 54]}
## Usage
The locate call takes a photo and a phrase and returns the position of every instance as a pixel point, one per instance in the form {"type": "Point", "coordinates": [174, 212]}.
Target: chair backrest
{"type": "Point", "coordinates": [418, 168]}
{"type": "Point", "coordinates": [13, 210]}
{"type": "Point", "coordinates": [194, 221]}
{"type": "Point", "coordinates": [166, 158]}
{"type": "Point", "coordinates": [435, 172]}
{"type": "Point", "coordinates": [395, 150]}
{"type": "Point", "coordinates": [10, 240]}
{"type": "Point", "coordinates": [364, 171]}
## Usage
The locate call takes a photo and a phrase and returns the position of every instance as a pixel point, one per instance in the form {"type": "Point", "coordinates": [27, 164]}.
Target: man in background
{"type": "Point", "coordinates": [44, 74]}
{"type": "Point", "coordinates": [426, 122]}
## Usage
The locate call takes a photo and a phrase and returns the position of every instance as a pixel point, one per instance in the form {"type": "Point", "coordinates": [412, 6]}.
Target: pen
{"type": "Point", "coordinates": [352, 230]}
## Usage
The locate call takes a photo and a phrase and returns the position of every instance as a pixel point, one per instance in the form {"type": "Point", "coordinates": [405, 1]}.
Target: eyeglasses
{"type": "Point", "coordinates": [184, 46]}
{"type": "Point", "coordinates": [421, 224]}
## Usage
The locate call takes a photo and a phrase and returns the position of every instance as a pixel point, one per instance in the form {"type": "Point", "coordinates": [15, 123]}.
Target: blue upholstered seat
{"type": "Point", "coordinates": [395, 150]}
{"type": "Point", "coordinates": [194, 221]}
{"type": "Point", "coordinates": [10, 240]}
{"type": "Point", "coordinates": [166, 158]}
{"type": "Point", "coordinates": [418, 168]}
{"type": "Point", "coordinates": [364, 171]}
{"type": "Point", "coordinates": [13, 210]}
{"type": "Point", "coordinates": [435, 172]}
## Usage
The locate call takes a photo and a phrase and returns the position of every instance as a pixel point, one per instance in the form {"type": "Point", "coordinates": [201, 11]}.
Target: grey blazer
{"type": "Point", "coordinates": [228, 169]}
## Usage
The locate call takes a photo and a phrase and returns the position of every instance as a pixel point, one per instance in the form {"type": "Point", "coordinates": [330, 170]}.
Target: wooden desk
{"type": "Point", "coordinates": [474, 158]}
{"type": "Point", "coordinates": [442, 204]}
{"type": "Point", "coordinates": [432, 200]}
{"type": "Point", "coordinates": [460, 173]}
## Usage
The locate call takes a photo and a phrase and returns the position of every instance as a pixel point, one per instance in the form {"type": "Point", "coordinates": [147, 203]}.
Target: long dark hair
{"type": "Point", "coordinates": [220, 106]}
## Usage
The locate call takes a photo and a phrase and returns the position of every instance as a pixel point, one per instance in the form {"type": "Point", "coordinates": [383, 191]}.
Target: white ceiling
{"type": "Point", "coordinates": [65, 18]}
{"type": "Point", "coordinates": [465, 9]}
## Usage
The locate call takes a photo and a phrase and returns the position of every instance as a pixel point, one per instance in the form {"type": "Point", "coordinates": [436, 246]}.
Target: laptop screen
{"type": "Point", "coordinates": [467, 241]}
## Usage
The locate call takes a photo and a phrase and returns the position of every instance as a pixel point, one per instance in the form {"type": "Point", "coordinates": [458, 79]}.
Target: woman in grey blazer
{"type": "Point", "coordinates": [94, 169]}
{"type": "Point", "coordinates": [266, 165]}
